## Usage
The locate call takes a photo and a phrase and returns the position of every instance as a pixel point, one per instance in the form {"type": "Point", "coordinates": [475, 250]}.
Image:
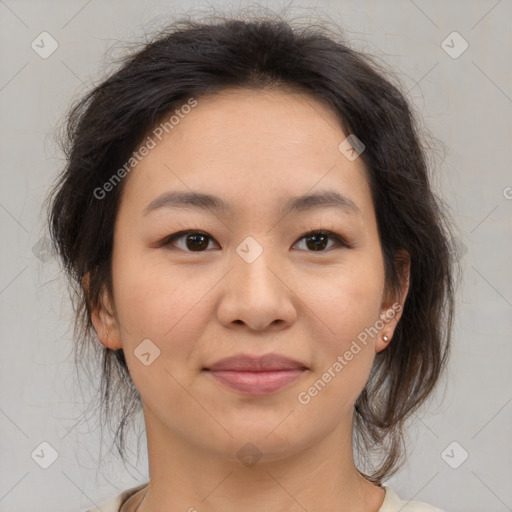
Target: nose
{"type": "Point", "coordinates": [257, 295]}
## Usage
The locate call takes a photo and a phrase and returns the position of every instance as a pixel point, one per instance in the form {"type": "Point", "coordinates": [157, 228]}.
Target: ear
{"type": "Point", "coordinates": [393, 303]}
{"type": "Point", "coordinates": [103, 318]}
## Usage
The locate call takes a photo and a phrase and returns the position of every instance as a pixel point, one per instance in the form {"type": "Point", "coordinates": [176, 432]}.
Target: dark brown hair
{"type": "Point", "coordinates": [194, 58]}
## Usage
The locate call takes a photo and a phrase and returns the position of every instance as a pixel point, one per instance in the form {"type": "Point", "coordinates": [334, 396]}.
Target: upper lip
{"type": "Point", "coordinates": [252, 363]}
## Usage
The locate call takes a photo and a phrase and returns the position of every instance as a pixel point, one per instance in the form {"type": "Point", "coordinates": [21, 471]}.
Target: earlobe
{"type": "Point", "coordinates": [382, 342]}
{"type": "Point", "coordinates": [387, 327]}
{"type": "Point", "coordinates": [392, 309]}
{"type": "Point", "coordinates": [103, 320]}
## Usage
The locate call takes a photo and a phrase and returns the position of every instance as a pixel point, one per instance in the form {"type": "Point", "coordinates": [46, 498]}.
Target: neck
{"type": "Point", "coordinates": [320, 477]}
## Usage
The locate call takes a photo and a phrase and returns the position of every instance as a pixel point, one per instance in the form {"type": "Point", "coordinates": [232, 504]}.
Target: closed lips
{"type": "Point", "coordinates": [250, 363]}
{"type": "Point", "coordinates": [257, 375]}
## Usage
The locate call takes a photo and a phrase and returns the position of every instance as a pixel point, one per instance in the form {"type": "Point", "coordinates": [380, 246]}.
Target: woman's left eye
{"type": "Point", "coordinates": [318, 240]}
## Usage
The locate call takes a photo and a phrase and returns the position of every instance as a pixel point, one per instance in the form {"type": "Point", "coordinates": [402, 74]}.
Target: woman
{"type": "Point", "coordinates": [247, 214]}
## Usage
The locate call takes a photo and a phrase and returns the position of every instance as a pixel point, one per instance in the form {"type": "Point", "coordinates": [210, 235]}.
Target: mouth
{"type": "Point", "coordinates": [256, 375]}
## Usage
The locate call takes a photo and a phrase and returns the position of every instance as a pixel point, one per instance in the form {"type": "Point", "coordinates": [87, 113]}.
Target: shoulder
{"type": "Point", "coordinates": [113, 504]}
{"type": "Point", "coordinates": [392, 503]}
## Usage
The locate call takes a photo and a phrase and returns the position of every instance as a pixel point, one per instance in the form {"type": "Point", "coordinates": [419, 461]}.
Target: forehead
{"type": "Point", "coordinates": [248, 147]}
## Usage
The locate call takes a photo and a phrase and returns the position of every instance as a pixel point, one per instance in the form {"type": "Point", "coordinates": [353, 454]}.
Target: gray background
{"type": "Point", "coordinates": [465, 102]}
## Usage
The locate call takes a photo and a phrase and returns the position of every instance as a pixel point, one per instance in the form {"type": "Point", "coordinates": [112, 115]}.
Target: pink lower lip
{"type": "Point", "coordinates": [257, 383]}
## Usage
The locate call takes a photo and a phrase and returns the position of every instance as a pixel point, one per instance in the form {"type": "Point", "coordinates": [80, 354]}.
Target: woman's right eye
{"type": "Point", "coordinates": [192, 241]}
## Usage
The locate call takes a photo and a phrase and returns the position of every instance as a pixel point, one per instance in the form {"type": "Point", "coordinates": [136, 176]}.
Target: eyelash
{"type": "Point", "coordinates": [340, 241]}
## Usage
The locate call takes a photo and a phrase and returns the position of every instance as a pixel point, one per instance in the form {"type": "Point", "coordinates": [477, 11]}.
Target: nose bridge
{"type": "Point", "coordinates": [253, 261]}
{"type": "Point", "coordinates": [255, 293]}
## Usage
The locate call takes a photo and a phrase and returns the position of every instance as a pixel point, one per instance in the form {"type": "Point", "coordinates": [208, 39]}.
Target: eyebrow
{"type": "Point", "coordinates": [322, 199]}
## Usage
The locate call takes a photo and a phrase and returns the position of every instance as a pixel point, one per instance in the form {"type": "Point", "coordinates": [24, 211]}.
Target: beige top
{"type": "Point", "coordinates": [391, 503]}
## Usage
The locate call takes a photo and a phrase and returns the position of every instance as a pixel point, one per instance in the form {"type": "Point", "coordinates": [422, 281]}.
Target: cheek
{"type": "Point", "coordinates": [168, 310]}
{"type": "Point", "coordinates": [349, 300]}
{"type": "Point", "coordinates": [153, 303]}
{"type": "Point", "coordinates": [348, 307]}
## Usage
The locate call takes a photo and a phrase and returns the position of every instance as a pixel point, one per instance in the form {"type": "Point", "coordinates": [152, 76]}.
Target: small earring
{"type": "Point", "coordinates": [385, 338]}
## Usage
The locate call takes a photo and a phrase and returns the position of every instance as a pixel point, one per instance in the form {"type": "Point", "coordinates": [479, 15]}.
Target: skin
{"type": "Point", "coordinates": [254, 149]}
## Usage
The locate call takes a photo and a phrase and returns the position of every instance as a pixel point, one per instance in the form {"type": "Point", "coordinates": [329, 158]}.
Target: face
{"type": "Point", "coordinates": [254, 277]}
